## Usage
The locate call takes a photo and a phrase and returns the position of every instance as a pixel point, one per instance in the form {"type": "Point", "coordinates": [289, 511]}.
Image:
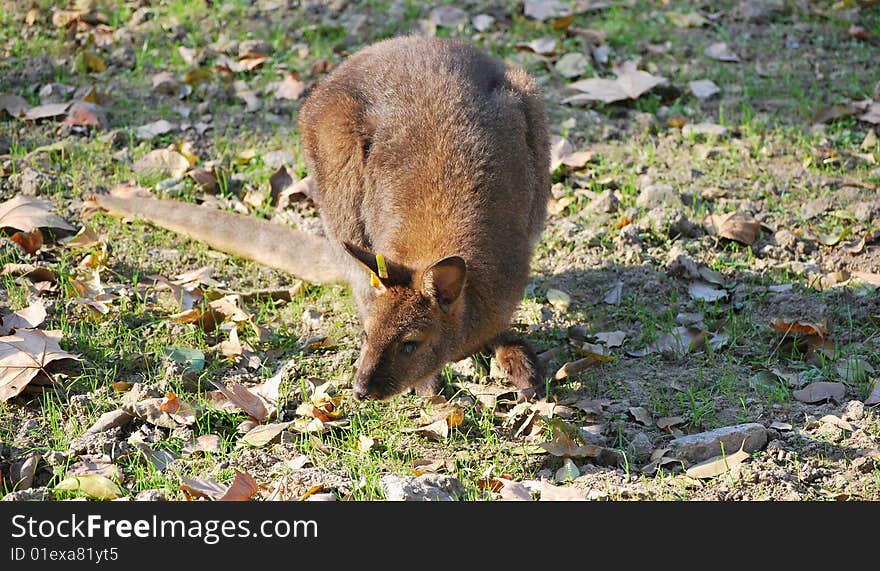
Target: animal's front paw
{"type": "Point", "coordinates": [521, 366]}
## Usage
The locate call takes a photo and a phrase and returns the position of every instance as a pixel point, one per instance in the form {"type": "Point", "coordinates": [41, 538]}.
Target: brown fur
{"type": "Point", "coordinates": [436, 156]}
{"type": "Point", "coordinates": [426, 149]}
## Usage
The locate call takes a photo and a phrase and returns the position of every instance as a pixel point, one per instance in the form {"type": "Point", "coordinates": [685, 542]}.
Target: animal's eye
{"type": "Point", "coordinates": [409, 347]}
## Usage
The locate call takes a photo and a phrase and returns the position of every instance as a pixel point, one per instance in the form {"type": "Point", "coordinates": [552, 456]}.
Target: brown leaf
{"type": "Point", "coordinates": [718, 465]}
{"type": "Point", "coordinates": [798, 327]}
{"type": "Point", "coordinates": [290, 87]}
{"type": "Point", "coordinates": [631, 83]}
{"type": "Point", "coordinates": [46, 111]}
{"type": "Point", "coordinates": [242, 488]}
{"type": "Point", "coordinates": [550, 492]}
{"type": "Point", "coordinates": [206, 180]}
{"type": "Point", "coordinates": [872, 115]}
{"type": "Point", "coordinates": [873, 279]}
{"type": "Point", "coordinates": [641, 414]}
{"type": "Point", "coordinates": [182, 412]}
{"type": "Point", "coordinates": [84, 239]}
{"type": "Point", "coordinates": [263, 434]}
{"type": "Point", "coordinates": [27, 213]}
{"type": "Point", "coordinates": [28, 318]}
{"type": "Point", "coordinates": [161, 162]}
{"type": "Point", "coordinates": [736, 226]}
{"type": "Point", "coordinates": [15, 105]}
{"type": "Point", "coordinates": [278, 183]}
{"type": "Point", "coordinates": [205, 443]}
{"type": "Point", "coordinates": [202, 488]}
{"type": "Point", "coordinates": [874, 397]}
{"type": "Point", "coordinates": [26, 354]}
{"type": "Point", "coordinates": [820, 391]}
{"type": "Point", "coordinates": [833, 112]}
{"type": "Point", "coordinates": [514, 491]}
{"type": "Point", "coordinates": [669, 421]}
{"type": "Point", "coordinates": [83, 114]}
{"type": "Point", "coordinates": [29, 242]}
{"type": "Point", "coordinates": [541, 46]}
{"type": "Point", "coordinates": [244, 399]}
{"type": "Point", "coordinates": [575, 367]}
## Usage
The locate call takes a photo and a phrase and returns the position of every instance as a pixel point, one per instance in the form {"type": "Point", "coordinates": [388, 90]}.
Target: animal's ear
{"type": "Point", "coordinates": [390, 275]}
{"type": "Point", "coordinates": [445, 279]}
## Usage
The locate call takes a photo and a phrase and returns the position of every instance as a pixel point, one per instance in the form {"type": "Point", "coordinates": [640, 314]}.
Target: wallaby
{"type": "Point", "coordinates": [432, 164]}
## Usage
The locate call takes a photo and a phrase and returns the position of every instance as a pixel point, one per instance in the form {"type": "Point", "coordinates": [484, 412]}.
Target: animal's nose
{"type": "Point", "coordinates": [361, 392]}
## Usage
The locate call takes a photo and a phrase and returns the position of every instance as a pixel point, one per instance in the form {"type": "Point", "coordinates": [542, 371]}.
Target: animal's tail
{"type": "Point", "coordinates": [298, 253]}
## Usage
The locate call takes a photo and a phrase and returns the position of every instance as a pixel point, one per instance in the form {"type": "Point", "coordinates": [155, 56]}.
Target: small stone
{"type": "Point", "coordinates": [854, 410]}
{"type": "Point", "coordinates": [108, 420]}
{"type": "Point", "coordinates": [29, 495]}
{"type": "Point", "coordinates": [427, 487]}
{"type": "Point", "coordinates": [572, 65]}
{"type": "Point", "coordinates": [254, 48]}
{"type": "Point", "coordinates": [760, 11]}
{"type": "Point", "coordinates": [165, 83]}
{"type": "Point", "coordinates": [786, 239]}
{"type": "Point", "coordinates": [641, 446]}
{"type": "Point", "coordinates": [30, 182]}
{"type": "Point", "coordinates": [150, 496]}
{"type": "Point", "coordinates": [705, 129]}
{"type": "Point", "coordinates": [482, 22]}
{"type": "Point", "coordinates": [704, 445]}
{"type": "Point", "coordinates": [655, 195]}
{"type": "Point", "coordinates": [704, 88]}
{"type": "Point", "coordinates": [312, 318]}
{"type": "Point", "coordinates": [606, 202]}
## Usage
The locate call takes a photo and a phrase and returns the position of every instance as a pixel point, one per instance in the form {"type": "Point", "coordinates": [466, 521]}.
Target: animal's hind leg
{"type": "Point", "coordinates": [520, 364]}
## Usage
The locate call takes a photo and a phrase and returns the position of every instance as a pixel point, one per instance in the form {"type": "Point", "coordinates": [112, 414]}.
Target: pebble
{"type": "Point", "coordinates": [704, 445]}
{"type": "Point", "coordinates": [427, 487]}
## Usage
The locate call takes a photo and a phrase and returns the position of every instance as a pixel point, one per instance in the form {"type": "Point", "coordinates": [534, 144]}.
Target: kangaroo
{"type": "Point", "coordinates": [432, 164]}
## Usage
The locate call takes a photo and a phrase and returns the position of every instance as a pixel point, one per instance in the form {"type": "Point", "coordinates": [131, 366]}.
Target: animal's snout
{"type": "Point", "coordinates": [363, 389]}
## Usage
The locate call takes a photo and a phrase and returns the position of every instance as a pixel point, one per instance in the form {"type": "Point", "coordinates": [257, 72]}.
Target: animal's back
{"type": "Point", "coordinates": [424, 148]}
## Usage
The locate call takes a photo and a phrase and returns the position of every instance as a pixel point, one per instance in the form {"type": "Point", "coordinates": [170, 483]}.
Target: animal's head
{"type": "Point", "coordinates": [410, 330]}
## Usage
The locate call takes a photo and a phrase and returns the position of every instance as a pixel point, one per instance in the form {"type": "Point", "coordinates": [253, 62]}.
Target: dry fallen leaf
{"type": "Point", "coordinates": [205, 443]}
{"type": "Point", "coordinates": [26, 354]}
{"type": "Point", "coordinates": [243, 398]}
{"type": "Point", "coordinates": [541, 46]}
{"type": "Point", "coordinates": [29, 242]}
{"type": "Point", "coordinates": [736, 226]}
{"type": "Point", "coordinates": [550, 492]}
{"type": "Point", "coordinates": [162, 162]}
{"type": "Point", "coordinates": [290, 87]}
{"type": "Point", "coordinates": [94, 486]}
{"type": "Point", "coordinates": [641, 414]}
{"type": "Point", "coordinates": [27, 213]}
{"type": "Point", "coordinates": [84, 239]}
{"type": "Point", "coordinates": [202, 488]}
{"type": "Point", "coordinates": [820, 391]}
{"type": "Point", "coordinates": [718, 465]}
{"type": "Point", "coordinates": [798, 327]}
{"type": "Point", "coordinates": [575, 367]}
{"type": "Point", "coordinates": [29, 317]}
{"type": "Point", "coordinates": [721, 52]}
{"type": "Point", "coordinates": [15, 105]}
{"type": "Point", "coordinates": [241, 489]}
{"type": "Point", "coordinates": [631, 83]}
{"type": "Point", "coordinates": [263, 434]}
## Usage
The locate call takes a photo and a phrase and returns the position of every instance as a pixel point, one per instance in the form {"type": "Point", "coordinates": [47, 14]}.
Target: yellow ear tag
{"type": "Point", "coordinates": [380, 265]}
{"type": "Point", "coordinates": [374, 280]}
